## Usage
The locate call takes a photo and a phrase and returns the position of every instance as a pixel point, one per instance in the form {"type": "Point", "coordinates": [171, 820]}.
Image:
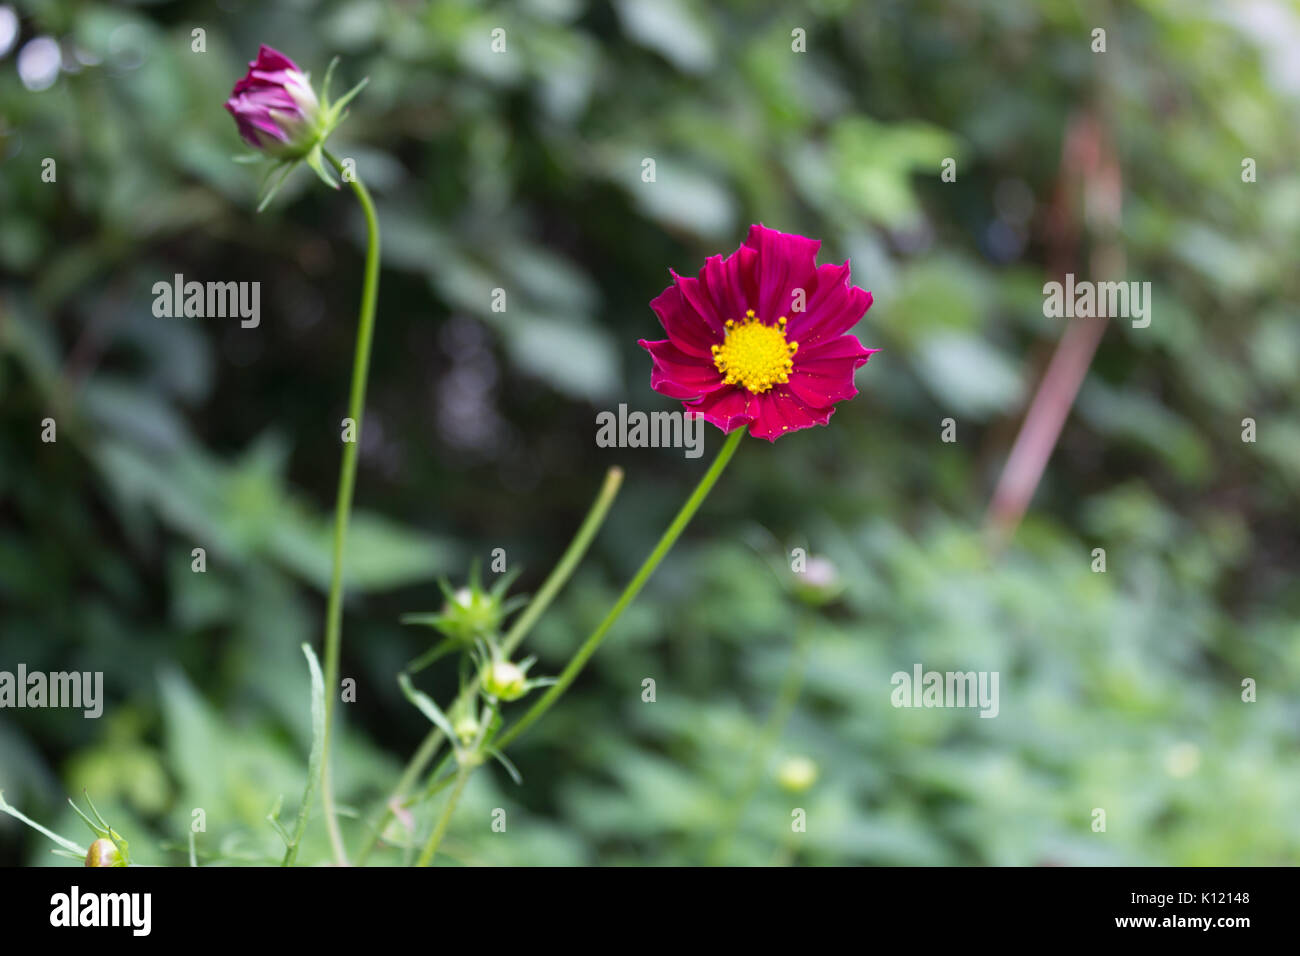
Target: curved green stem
{"type": "Point", "coordinates": [567, 676]}
{"type": "Point", "coordinates": [518, 631]}
{"type": "Point", "coordinates": [343, 506]}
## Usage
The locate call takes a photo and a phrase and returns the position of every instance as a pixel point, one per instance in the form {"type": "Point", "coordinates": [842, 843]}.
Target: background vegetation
{"type": "Point", "coordinates": [523, 171]}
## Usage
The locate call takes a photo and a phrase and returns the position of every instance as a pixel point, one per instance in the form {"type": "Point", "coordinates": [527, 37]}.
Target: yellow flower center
{"type": "Point", "coordinates": [755, 355]}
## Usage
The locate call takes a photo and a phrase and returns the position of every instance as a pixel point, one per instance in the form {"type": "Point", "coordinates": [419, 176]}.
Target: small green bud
{"type": "Point", "coordinates": [796, 774]}
{"type": "Point", "coordinates": [103, 853]}
{"type": "Point", "coordinates": [467, 729]}
{"type": "Point", "coordinates": [819, 583]}
{"type": "Point", "coordinates": [472, 613]}
{"type": "Point", "coordinates": [505, 681]}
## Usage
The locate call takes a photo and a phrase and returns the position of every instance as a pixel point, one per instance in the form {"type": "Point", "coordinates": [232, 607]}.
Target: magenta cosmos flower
{"type": "Point", "coordinates": [274, 105]}
{"type": "Point", "coordinates": [760, 338]}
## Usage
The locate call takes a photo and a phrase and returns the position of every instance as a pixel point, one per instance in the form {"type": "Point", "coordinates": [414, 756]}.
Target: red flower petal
{"type": "Point", "coordinates": [780, 412]}
{"type": "Point", "coordinates": [696, 297]}
{"type": "Point", "coordinates": [731, 282]}
{"type": "Point", "coordinates": [688, 328]}
{"type": "Point", "coordinates": [728, 408]}
{"type": "Point", "coordinates": [786, 262]}
{"type": "Point", "coordinates": [677, 374]}
{"type": "Point", "coordinates": [823, 375]}
{"type": "Point", "coordinates": [832, 310]}
{"type": "Point", "coordinates": [269, 58]}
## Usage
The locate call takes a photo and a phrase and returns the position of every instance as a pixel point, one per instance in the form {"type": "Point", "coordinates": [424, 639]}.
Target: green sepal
{"type": "Point", "coordinates": [273, 818]}
{"type": "Point", "coordinates": [511, 769]}
{"type": "Point", "coordinates": [424, 703]}
{"type": "Point", "coordinates": [441, 649]}
{"type": "Point", "coordinates": [99, 826]}
{"type": "Point", "coordinates": [316, 160]}
{"type": "Point", "coordinates": [268, 189]}
{"type": "Point", "coordinates": [325, 84]}
{"type": "Point", "coordinates": [336, 109]}
{"type": "Point", "coordinates": [502, 584]}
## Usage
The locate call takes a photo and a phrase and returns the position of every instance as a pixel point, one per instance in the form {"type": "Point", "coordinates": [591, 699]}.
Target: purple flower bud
{"type": "Point", "coordinates": [275, 107]}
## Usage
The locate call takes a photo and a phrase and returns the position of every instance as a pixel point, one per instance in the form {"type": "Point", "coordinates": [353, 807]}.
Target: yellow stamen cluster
{"type": "Point", "coordinates": [755, 355]}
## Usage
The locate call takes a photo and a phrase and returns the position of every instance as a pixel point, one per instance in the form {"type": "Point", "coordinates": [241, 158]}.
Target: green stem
{"type": "Point", "coordinates": [568, 563]}
{"type": "Point", "coordinates": [547, 700]}
{"type": "Point", "coordinates": [590, 645]}
{"type": "Point", "coordinates": [343, 506]}
{"type": "Point", "coordinates": [767, 739]}
{"type": "Point", "coordinates": [435, 839]}
{"type": "Point", "coordinates": [550, 588]}
{"type": "Point", "coordinates": [435, 786]}
{"type": "Point", "coordinates": [468, 761]}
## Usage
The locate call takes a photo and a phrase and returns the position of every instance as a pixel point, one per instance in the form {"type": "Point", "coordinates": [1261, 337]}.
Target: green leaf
{"type": "Point", "coordinates": [971, 374]}
{"type": "Point", "coordinates": [426, 706]}
{"type": "Point", "coordinates": [672, 29]}
{"type": "Point", "coordinates": [313, 762]}
{"type": "Point", "coordinates": [381, 553]}
{"type": "Point", "coordinates": [64, 842]}
{"type": "Point", "coordinates": [577, 358]}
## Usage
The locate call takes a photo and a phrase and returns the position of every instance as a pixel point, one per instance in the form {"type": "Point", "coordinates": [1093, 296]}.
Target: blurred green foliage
{"type": "Point", "coordinates": [523, 171]}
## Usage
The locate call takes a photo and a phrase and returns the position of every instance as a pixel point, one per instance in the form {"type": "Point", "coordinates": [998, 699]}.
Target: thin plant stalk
{"type": "Point", "coordinates": [469, 759]}
{"type": "Point", "coordinates": [343, 506]}
{"type": "Point", "coordinates": [593, 642]}
{"type": "Point", "coordinates": [768, 737]}
{"type": "Point", "coordinates": [556, 580]}
{"type": "Point", "coordinates": [589, 646]}
{"type": "Point", "coordinates": [435, 839]}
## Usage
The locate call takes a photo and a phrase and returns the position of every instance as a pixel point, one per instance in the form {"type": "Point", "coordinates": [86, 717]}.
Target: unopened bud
{"type": "Point", "coordinates": [796, 774]}
{"type": "Point", "coordinates": [275, 107]}
{"type": "Point", "coordinates": [505, 680]}
{"type": "Point", "coordinates": [819, 583]}
{"type": "Point", "coordinates": [103, 853]}
{"type": "Point", "coordinates": [466, 729]}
